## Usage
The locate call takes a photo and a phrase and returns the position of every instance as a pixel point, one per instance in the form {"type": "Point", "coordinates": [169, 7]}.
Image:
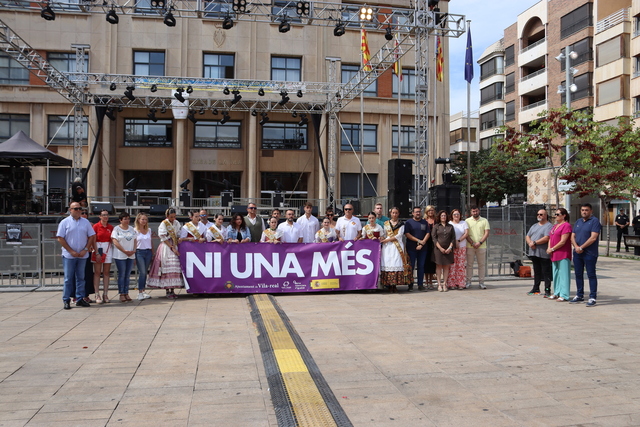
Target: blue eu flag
{"type": "Point", "coordinates": [468, 61]}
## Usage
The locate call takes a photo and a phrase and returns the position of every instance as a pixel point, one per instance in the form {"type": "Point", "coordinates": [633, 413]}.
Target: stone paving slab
{"type": "Point", "coordinates": [493, 357]}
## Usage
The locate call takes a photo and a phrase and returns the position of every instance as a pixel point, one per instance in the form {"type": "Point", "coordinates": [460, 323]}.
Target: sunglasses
{"type": "Point", "coordinates": [76, 209]}
{"type": "Point", "coordinates": [202, 216]}
{"type": "Point", "coordinates": [558, 214]}
{"type": "Point", "coordinates": [251, 208]}
{"type": "Point", "coordinates": [540, 214]}
{"type": "Point", "coordinates": [348, 209]}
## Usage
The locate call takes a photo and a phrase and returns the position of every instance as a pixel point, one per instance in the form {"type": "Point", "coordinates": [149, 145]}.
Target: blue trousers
{"type": "Point", "coordinates": [124, 274]}
{"type": "Point", "coordinates": [143, 262]}
{"type": "Point", "coordinates": [421, 258]}
{"type": "Point", "coordinates": [73, 278]}
{"type": "Point", "coordinates": [580, 262]}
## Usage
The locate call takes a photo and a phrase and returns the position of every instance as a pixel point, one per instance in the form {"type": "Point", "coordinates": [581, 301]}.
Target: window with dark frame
{"type": "Point", "coordinates": [491, 93]}
{"type": "Point", "coordinates": [408, 84]}
{"type": "Point", "coordinates": [10, 124]}
{"type": "Point", "coordinates": [510, 83]}
{"type": "Point", "coordinates": [218, 66]}
{"type": "Point", "coordinates": [584, 84]}
{"type": "Point", "coordinates": [510, 111]}
{"type": "Point", "coordinates": [349, 70]}
{"type": "Point", "coordinates": [284, 136]}
{"type": "Point", "coordinates": [576, 20]}
{"type": "Point", "coordinates": [66, 62]}
{"type": "Point", "coordinates": [145, 133]}
{"type": "Point", "coordinates": [350, 185]}
{"type": "Point", "coordinates": [351, 133]}
{"type": "Point", "coordinates": [212, 134]}
{"type": "Point", "coordinates": [509, 56]}
{"type": "Point", "coordinates": [583, 49]}
{"type": "Point", "coordinates": [11, 72]}
{"type": "Point", "coordinates": [148, 63]}
{"type": "Point", "coordinates": [288, 69]}
{"type": "Point", "coordinates": [64, 130]}
{"type": "Point", "coordinates": [407, 139]}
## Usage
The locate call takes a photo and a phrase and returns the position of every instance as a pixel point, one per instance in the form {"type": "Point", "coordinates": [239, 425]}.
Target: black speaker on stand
{"type": "Point", "coordinates": [226, 198]}
{"type": "Point", "coordinates": [399, 185]}
{"type": "Point", "coordinates": [446, 197]}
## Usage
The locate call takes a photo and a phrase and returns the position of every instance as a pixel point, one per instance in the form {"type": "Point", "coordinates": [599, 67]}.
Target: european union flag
{"type": "Point", "coordinates": [468, 61]}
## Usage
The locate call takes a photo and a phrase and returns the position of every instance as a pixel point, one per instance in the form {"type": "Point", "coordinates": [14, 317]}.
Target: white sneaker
{"type": "Point", "coordinates": [143, 296]}
{"type": "Point", "coordinates": [482, 286]}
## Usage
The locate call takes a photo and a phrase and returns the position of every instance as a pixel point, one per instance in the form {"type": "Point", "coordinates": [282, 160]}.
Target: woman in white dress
{"type": "Point", "coordinates": [393, 257]}
{"type": "Point", "coordinates": [165, 271]}
{"type": "Point", "coordinates": [271, 234]}
{"type": "Point", "coordinates": [194, 230]}
{"type": "Point", "coordinates": [372, 229]}
{"type": "Point", "coordinates": [327, 233]}
{"type": "Point", "coordinates": [217, 233]}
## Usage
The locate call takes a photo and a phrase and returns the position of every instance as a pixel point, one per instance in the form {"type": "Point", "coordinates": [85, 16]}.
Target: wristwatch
{"type": "Point", "coordinates": [85, 249]}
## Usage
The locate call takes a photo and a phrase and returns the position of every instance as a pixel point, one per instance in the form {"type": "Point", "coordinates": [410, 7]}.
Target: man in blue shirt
{"type": "Point", "coordinates": [584, 239]}
{"type": "Point", "coordinates": [76, 236]}
{"type": "Point", "coordinates": [417, 232]}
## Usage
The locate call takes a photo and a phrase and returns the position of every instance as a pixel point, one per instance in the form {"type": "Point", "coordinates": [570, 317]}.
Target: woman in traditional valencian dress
{"type": "Point", "coordinates": [393, 259]}
{"type": "Point", "coordinates": [327, 233]}
{"type": "Point", "coordinates": [194, 230]}
{"type": "Point", "coordinates": [165, 270]}
{"type": "Point", "coordinates": [271, 234]}
{"type": "Point", "coordinates": [372, 229]}
{"type": "Point", "coordinates": [217, 233]}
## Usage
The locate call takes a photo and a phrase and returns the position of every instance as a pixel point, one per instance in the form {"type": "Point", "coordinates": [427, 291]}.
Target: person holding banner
{"type": "Point", "coordinates": [217, 233]}
{"type": "Point", "coordinates": [237, 231]}
{"type": "Point", "coordinates": [348, 227]}
{"type": "Point", "coordinates": [291, 230]}
{"type": "Point", "coordinates": [372, 229]}
{"type": "Point", "coordinates": [271, 234]}
{"type": "Point", "coordinates": [393, 260]}
{"type": "Point", "coordinates": [327, 233]}
{"type": "Point", "coordinates": [165, 270]}
{"type": "Point", "coordinates": [193, 231]}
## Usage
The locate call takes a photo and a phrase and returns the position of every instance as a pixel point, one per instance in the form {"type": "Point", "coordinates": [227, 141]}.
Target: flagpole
{"type": "Point", "coordinates": [469, 128]}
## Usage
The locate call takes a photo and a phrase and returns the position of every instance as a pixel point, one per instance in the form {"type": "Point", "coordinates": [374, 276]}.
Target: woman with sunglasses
{"type": "Point", "coordinates": [560, 251]}
{"type": "Point", "coordinates": [103, 256]}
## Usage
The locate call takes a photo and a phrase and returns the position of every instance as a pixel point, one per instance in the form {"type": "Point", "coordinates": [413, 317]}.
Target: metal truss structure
{"type": "Point", "coordinates": [412, 26]}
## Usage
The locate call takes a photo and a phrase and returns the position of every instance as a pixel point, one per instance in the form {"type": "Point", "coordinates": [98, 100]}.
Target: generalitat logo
{"type": "Point", "coordinates": [229, 285]}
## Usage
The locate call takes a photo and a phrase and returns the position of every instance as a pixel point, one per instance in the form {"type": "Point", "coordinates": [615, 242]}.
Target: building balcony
{"type": "Point", "coordinates": [533, 81]}
{"type": "Point", "coordinates": [612, 20]}
{"type": "Point", "coordinates": [619, 67]}
{"type": "Point", "coordinates": [530, 112]}
{"type": "Point", "coordinates": [533, 52]}
{"type": "Point", "coordinates": [619, 108]}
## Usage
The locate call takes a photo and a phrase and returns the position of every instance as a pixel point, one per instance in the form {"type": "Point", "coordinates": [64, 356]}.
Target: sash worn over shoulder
{"type": "Point", "coordinates": [171, 231]}
{"type": "Point", "coordinates": [193, 230]}
{"type": "Point", "coordinates": [215, 233]}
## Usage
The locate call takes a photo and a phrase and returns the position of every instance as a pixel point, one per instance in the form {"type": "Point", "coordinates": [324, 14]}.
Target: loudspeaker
{"type": "Point", "coordinates": [277, 199]}
{"type": "Point", "coordinates": [185, 198]}
{"type": "Point", "coordinates": [239, 209]}
{"type": "Point", "coordinates": [130, 198]}
{"type": "Point", "coordinates": [399, 184]}
{"type": "Point", "coordinates": [226, 198]}
{"type": "Point", "coordinates": [97, 207]}
{"type": "Point", "coordinates": [446, 197]}
{"type": "Point", "coordinates": [158, 209]}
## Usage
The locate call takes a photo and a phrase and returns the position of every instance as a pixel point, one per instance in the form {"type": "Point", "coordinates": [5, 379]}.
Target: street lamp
{"type": "Point", "coordinates": [568, 88]}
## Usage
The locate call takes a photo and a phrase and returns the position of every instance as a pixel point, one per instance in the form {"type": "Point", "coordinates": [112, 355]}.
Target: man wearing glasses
{"type": "Point", "coordinates": [538, 242]}
{"type": "Point", "coordinates": [584, 238]}
{"type": "Point", "coordinates": [204, 219]}
{"type": "Point", "coordinates": [254, 223]}
{"type": "Point", "coordinates": [348, 227]}
{"type": "Point", "coordinates": [76, 236]}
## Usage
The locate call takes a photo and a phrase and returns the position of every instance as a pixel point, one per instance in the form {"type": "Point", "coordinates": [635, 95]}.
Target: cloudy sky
{"type": "Point", "coordinates": [488, 21]}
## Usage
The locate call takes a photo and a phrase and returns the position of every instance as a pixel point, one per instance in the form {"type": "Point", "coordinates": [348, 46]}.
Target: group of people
{"type": "Point", "coordinates": [552, 248]}
{"type": "Point", "coordinates": [88, 250]}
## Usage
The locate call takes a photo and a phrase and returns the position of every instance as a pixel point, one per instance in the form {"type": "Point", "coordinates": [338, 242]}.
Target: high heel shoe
{"type": "Point", "coordinates": [440, 288]}
{"type": "Point", "coordinates": [105, 298]}
{"type": "Point", "coordinates": [98, 298]}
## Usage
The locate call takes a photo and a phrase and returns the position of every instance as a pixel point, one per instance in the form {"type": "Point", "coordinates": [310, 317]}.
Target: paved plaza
{"type": "Point", "coordinates": [493, 357]}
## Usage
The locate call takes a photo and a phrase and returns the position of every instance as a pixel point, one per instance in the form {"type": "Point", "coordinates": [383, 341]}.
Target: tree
{"type": "Point", "coordinates": [606, 159]}
{"type": "Point", "coordinates": [492, 176]}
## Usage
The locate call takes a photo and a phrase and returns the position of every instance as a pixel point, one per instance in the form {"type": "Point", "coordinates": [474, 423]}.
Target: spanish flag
{"type": "Point", "coordinates": [364, 46]}
{"type": "Point", "coordinates": [439, 61]}
{"type": "Point", "coordinates": [397, 67]}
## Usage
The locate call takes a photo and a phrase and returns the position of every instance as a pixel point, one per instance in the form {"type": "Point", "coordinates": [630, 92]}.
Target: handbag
{"type": "Point", "coordinates": [103, 257]}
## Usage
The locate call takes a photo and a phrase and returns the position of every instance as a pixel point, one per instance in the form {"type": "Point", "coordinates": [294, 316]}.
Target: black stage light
{"type": "Point", "coordinates": [225, 118]}
{"type": "Point", "coordinates": [284, 26]}
{"type": "Point", "coordinates": [226, 91]}
{"type": "Point", "coordinates": [113, 86]}
{"type": "Point", "coordinates": [129, 93]}
{"type": "Point", "coordinates": [261, 92]}
{"type": "Point", "coordinates": [254, 113]}
{"type": "Point", "coordinates": [236, 97]}
{"type": "Point", "coordinates": [169, 20]}
{"type": "Point", "coordinates": [185, 183]}
{"type": "Point", "coordinates": [299, 93]}
{"type": "Point", "coordinates": [264, 119]}
{"type": "Point", "coordinates": [388, 35]}
{"type": "Point", "coordinates": [48, 14]}
{"type": "Point", "coordinates": [189, 89]}
{"type": "Point", "coordinates": [227, 24]}
{"type": "Point", "coordinates": [303, 120]}
{"type": "Point", "coordinates": [201, 110]}
{"type": "Point", "coordinates": [154, 88]}
{"type": "Point", "coordinates": [163, 110]}
{"type": "Point", "coordinates": [178, 94]}
{"type": "Point", "coordinates": [112, 18]}
{"type": "Point", "coordinates": [110, 114]}
{"type": "Point", "coordinates": [294, 114]}
{"type": "Point", "coordinates": [215, 111]}
{"type": "Point", "coordinates": [152, 115]}
{"type": "Point", "coordinates": [339, 30]}
{"type": "Point", "coordinates": [120, 108]}
{"type": "Point", "coordinates": [192, 116]}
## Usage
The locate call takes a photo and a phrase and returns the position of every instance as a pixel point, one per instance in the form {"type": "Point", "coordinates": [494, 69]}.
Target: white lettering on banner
{"type": "Point", "coordinates": [291, 266]}
{"type": "Point", "coordinates": [326, 266]}
{"type": "Point", "coordinates": [205, 269]}
{"type": "Point", "coordinates": [347, 262]}
{"type": "Point", "coordinates": [247, 263]}
{"type": "Point", "coordinates": [362, 259]}
{"type": "Point", "coordinates": [272, 268]}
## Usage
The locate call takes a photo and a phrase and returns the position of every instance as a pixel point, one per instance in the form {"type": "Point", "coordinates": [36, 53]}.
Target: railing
{"type": "Point", "coordinates": [612, 20]}
{"type": "Point", "coordinates": [534, 105]}
{"type": "Point", "coordinates": [532, 75]}
{"type": "Point", "coordinates": [531, 46]}
{"type": "Point", "coordinates": [491, 124]}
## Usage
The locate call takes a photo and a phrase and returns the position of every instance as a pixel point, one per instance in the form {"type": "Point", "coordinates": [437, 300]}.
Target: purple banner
{"type": "Point", "coordinates": [275, 268]}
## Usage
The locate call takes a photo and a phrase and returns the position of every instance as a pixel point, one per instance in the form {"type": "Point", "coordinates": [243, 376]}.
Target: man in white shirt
{"type": "Point", "coordinates": [291, 231]}
{"type": "Point", "coordinates": [348, 227]}
{"type": "Point", "coordinates": [204, 219]}
{"type": "Point", "coordinates": [309, 224]}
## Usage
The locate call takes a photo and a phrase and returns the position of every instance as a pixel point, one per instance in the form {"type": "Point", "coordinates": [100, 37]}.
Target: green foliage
{"type": "Point", "coordinates": [494, 173]}
{"type": "Point", "coordinates": [605, 160]}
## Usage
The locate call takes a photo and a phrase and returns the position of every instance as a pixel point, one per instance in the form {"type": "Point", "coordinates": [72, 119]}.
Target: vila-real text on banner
{"type": "Point", "coordinates": [274, 268]}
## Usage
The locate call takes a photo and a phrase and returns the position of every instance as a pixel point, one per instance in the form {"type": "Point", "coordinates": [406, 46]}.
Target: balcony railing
{"type": "Point", "coordinates": [531, 46]}
{"type": "Point", "coordinates": [612, 20]}
{"type": "Point", "coordinates": [534, 105]}
{"type": "Point", "coordinates": [532, 75]}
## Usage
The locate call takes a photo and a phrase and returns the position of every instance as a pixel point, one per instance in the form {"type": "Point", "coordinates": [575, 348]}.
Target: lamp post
{"type": "Point", "coordinates": [569, 87]}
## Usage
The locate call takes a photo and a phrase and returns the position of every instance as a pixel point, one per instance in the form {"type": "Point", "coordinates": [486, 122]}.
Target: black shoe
{"type": "Point", "coordinates": [422, 289]}
{"type": "Point", "coordinates": [67, 305]}
{"type": "Point", "coordinates": [82, 303]}
{"type": "Point", "coordinates": [410, 289]}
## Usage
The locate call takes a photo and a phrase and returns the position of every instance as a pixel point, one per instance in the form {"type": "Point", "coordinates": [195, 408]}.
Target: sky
{"type": "Point", "coordinates": [488, 21]}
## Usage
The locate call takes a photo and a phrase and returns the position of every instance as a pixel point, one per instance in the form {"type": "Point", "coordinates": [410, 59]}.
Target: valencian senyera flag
{"type": "Point", "coordinates": [397, 66]}
{"type": "Point", "coordinates": [439, 60]}
{"type": "Point", "coordinates": [364, 46]}
{"type": "Point", "coordinates": [468, 60]}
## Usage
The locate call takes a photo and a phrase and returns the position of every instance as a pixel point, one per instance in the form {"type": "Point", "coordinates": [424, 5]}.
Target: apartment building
{"type": "Point", "coordinates": [161, 150]}
{"type": "Point", "coordinates": [462, 131]}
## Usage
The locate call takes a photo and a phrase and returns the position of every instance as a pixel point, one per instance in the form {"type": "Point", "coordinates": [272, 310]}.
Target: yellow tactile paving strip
{"type": "Point", "coordinates": [308, 405]}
